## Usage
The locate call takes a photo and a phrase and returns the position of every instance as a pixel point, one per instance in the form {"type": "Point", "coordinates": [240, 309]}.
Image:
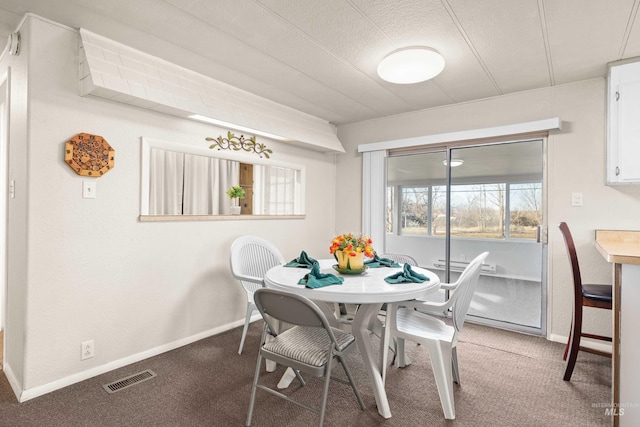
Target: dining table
{"type": "Point", "coordinates": [368, 291]}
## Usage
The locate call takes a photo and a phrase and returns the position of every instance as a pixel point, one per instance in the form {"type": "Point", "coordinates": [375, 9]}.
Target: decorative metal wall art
{"type": "Point", "coordinates": [237, 143]}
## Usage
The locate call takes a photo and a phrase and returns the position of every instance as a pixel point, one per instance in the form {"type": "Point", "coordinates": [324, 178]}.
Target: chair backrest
{"type": "Point", "coordinates": [250, 257]}
{"type": "Point", "coordinates": [290, 308]}
{"type": "Point", "coordinates": [401, 259]}
{"type": "Point", "coordinates": [575, 267]}
{"type": "Point", "coordinates": [466, 288]}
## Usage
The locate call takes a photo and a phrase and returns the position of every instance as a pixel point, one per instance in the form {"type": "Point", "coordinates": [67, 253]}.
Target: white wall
{"type": "Point", "coordinates": [88, 269]}
{"type": "Point", "coordinates": [575, 162]}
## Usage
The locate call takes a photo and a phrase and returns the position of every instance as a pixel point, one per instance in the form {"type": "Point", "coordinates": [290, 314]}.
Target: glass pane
{"type": "Point", "coordinates": [390, 209]}
{"type": "Point", "coordinates": [477, 211]}
{"type": "Point", "coordinates": [494, 180]}
{"type": "Point", "coordinates": [525, 210]}
{"type": "Point", "coordinates": [414, 212]}
{"type": "Point", "coordinates": [438, 210]}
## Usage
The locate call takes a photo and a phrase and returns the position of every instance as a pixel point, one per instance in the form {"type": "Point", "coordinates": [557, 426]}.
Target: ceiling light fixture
{"type": "Point", "coordinates": [411, 65]}
{"type": "Point", "coordinates": [454, 162]}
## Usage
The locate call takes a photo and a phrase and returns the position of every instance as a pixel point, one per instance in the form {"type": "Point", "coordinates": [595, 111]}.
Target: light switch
{"type": "Point", "coordinates": [576, 199]}
{"type": "Point", "coordinates": [88, 189]}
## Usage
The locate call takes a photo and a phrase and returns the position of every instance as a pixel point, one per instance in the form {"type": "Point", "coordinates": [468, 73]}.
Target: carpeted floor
{"type": "Point", "coordinates": [508, 379]}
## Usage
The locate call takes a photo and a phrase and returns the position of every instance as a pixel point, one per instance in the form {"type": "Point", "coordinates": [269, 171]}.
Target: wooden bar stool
{"type": "Point", "coordinates": [599, 296]}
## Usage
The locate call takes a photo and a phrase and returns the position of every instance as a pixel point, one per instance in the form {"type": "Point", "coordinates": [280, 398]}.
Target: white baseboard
{"type": "Point", "coordinates": [13, 382]}
{"type": "Point", "coordinates": [584, 342]}
{"type": "Point", "coordinates": [24, 395]}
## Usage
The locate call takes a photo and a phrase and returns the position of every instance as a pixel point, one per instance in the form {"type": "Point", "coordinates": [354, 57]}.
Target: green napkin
{"type": "Point", "coordinates": [406, 275]}
{"type": "Point", "coordinates": [314, 279]}
{"type": "Point", "coordinates": [303, 261]}
{"type": "Point", "coordinates": [377, 262]}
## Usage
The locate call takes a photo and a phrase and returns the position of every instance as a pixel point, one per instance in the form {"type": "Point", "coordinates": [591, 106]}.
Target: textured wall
{"type": "Point", "coordinates": [91, 269]}
{"type": "Point", "coordinates": [575, 162]}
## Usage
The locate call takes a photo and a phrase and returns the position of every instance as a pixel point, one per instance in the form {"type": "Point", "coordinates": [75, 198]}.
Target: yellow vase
{"type": "Point", "coordinates": [347, 262]}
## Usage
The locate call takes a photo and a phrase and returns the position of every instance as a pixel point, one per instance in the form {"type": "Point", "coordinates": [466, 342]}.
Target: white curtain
{"type": "Point", "coordinates": [186, 184]}
{"type": "Point", "coordinates": [165, 183]}
{"type": "Point", "coordinates": [206, 180]}
{"type": "Point", "coordinates": [373, 195]}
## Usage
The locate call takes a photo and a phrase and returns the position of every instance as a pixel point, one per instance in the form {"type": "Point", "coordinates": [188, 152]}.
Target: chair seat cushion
{"type": "Point", "coordinates": [308, 344]}
{"type": "Point", "coordinates": [597, 292]}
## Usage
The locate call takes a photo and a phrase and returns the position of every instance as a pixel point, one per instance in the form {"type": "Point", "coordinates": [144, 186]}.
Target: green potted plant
{"type": "Point", "coordinates": [235, 193]}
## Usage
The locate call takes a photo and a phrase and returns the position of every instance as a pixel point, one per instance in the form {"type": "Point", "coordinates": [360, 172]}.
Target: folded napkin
{"type": "Point", "coordinates": [377, 262]}
{"type": "Point", "coordinates": [406, 275]}
{"type": "Point", "coordinates": [303, 261]}
{"type": "Point", "coordinates": [314, 279]}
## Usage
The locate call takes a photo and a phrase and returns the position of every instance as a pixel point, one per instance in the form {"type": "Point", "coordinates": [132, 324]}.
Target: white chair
{"type": "Point", "coordinates": [377, 327]}
{"type": "Point", "coordinates": [312, 346]}
{"type": "Point", "coordinates": [439, 338]}
{"type": "Point", "coordinates": [401, 259]}
{"type": "Point", "coordinates": [250, 257]}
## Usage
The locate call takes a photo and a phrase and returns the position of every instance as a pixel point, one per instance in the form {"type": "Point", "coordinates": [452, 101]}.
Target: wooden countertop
{"type": "Point", "coordinates": [618, 246]}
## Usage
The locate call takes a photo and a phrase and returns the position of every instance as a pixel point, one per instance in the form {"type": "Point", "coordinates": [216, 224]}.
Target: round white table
{"type": "Point", "coordinates": [369, 290]}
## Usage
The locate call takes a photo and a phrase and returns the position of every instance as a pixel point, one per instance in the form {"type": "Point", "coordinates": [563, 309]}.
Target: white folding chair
{"type": "Point", "coordinates": [312, 345]}
{"type": "Point", "coordinates": [250, 257]}
{"type": "Point", "coordinates": [439, 338]}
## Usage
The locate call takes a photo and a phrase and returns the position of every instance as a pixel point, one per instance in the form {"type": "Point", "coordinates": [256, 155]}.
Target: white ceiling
{"type": "Point", "coordinates": [320, 56]}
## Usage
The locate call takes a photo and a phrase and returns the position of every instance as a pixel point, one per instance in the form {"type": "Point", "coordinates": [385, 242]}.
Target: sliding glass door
{"type": "Point", "coordinates": [446, 206]}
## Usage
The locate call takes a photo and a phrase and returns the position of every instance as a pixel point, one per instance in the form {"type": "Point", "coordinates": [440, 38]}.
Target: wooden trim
{"type": "Point", "coordinates": [160, 218]}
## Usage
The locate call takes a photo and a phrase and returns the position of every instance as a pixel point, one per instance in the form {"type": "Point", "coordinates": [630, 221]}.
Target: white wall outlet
{"type": "Point", "coordinates": [87, 350]}
{"type": "Point", "coordinates": [88, 189]}
{"type": "Point", "coordinates": [576, 199]}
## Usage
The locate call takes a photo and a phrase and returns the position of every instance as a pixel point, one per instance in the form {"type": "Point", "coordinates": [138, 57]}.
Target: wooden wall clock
{"type": "Point", "coordinates": [89, 155]}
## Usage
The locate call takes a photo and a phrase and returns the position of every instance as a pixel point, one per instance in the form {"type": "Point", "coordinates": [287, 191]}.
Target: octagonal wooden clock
{"type": "Point", "coordinates": [89, 155]}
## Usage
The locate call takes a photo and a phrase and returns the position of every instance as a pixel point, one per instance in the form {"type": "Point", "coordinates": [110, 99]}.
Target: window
{"type": "Point", "coordinates": [280, 188]}
{"type": "Point", "coordinates": [477, 210]}
{"type": "Point", "coordinates": [525, 210]}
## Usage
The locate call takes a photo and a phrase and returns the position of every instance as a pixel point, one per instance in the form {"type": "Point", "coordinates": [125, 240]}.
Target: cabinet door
{"type": "Point", "coordinates": [623, 144]}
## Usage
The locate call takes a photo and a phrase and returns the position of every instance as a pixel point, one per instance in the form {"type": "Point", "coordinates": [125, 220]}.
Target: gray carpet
{"type": "Point", "coordinates": [508, 379]}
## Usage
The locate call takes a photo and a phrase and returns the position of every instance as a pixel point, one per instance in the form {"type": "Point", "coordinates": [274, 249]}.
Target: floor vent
{"type": "Point", "coordinates": [129, 381]}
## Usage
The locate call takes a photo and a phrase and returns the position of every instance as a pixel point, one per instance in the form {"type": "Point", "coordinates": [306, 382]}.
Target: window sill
{"type": "Point", "coordinates": [159, 218]}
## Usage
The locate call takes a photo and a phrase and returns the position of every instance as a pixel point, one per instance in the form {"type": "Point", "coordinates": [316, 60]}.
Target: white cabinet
{"type": "Point", "coordinates": [623, 123]}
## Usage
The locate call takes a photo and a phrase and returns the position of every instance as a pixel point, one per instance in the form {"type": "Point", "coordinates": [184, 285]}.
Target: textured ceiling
{"type": "Point", "coordinates": [320, 56]}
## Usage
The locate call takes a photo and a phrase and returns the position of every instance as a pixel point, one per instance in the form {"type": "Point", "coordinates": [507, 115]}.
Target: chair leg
{"type": "Point", "coordinates": [440, 354]}
{"type": "Point", "coordinates": [250, 308]}
{"type": "Point", "coordinates": [454, 365]}
{"type": "Point", "coordinates": [254, 388]}
{"type": "Point", "coordinates": [325, 392]}
{"type": "Point", "coordinates": [574, 343]}
{"type": "Point", "coordinates": [400, 357]}
{"type": "Point", "coordinates": [353, 384]}
{"type": "Point", "coordinates": [566, 349]}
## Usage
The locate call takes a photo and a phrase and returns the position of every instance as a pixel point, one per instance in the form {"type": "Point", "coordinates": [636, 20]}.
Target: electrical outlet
{"type": "Point", "coordinates": [87, 350]}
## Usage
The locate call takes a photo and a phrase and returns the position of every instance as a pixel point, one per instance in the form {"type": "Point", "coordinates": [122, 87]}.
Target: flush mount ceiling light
{"type": "Point", "coordinates": [411, 65]}
{"type": "Point", "coordinates": [454, 162]}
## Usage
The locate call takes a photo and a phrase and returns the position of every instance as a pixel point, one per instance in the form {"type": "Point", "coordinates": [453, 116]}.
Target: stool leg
{"type": "Point", "coordinates": [574, 343]}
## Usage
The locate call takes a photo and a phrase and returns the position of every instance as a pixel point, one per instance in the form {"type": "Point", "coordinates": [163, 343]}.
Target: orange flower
{"type": "Point", "coordinates": [352, 244]}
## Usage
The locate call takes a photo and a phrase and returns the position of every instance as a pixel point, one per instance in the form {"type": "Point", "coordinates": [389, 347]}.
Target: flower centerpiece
{"type": "Point", "coordinates": [350, 250]}
{"type": "Point", "coordinates": [235, 193]}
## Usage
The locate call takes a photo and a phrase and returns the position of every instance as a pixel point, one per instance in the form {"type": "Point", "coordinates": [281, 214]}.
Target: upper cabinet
{"type": "Point", "coordinates": [623, 123]}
